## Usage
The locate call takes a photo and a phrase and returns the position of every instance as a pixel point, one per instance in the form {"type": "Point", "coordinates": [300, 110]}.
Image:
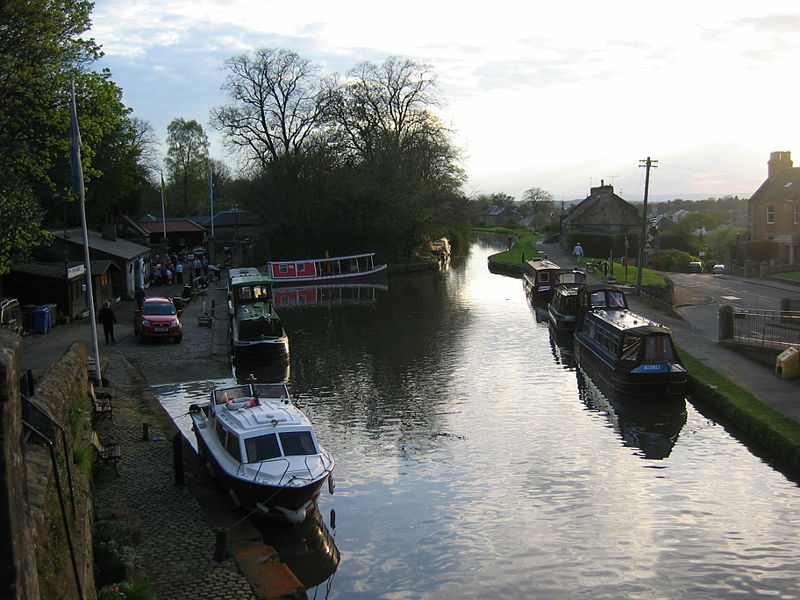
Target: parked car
{"type": "Point", "coordinates": [11, 315]}
{"type": "Point", "coordinates": [695, 267]}
{"type": "Point", "coordinates": [718, 269]}
{"type": "Point", "coordinates": [158, 318]}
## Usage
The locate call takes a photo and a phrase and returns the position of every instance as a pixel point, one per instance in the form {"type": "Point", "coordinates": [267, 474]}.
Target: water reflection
{"type": "Point", "coordinates": [309, 549]}
{"type": "Point", "coordinates": [651, 424]}
{"type": "Point", "coordinates": [261, 368]}
{"type": "Point", "coordinates": [333, 294]}
{"type": "Point", "coordinates": [562, 345]}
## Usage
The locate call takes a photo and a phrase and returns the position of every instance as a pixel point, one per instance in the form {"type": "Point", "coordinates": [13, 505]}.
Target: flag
{"type": "Point", "coordinates": [163, 192]}
{"type": "Point", "coordinates": [75, 145]}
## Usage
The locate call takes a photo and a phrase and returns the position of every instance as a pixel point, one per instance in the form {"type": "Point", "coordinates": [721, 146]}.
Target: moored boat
{"type": "Point", "coordinates": [563, 306]}
{"type": "Point", "coordinates": [255, 325]}
{"type": "Point", "coordinates": [635, 355]}
{"type": "Point", "coordinates": [313, 270]}
{"type": "Point", "coordinates": [538, 275]}
{"type": "Point", "coordinates": [263, 449]}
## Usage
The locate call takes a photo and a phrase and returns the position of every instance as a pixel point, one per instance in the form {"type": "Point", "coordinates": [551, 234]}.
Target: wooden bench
{"type": "Point", "coordinates": [101, 404]}
{"type": "Point", "coordinates": [105, 453]}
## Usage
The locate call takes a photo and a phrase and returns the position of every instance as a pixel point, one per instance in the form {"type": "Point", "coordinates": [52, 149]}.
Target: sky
{"type": "Point", "coordinates": [554, 95]}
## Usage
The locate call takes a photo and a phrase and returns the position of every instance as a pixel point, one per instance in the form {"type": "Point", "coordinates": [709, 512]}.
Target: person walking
{"type": "Point", "coordinates": [578, 252]}
{"type": "Point", "coordinates": [179, 271]}
{"type": "Point", "coordinates": [108, 318]}
{"type": "Point", "coordinates": [140, 296]}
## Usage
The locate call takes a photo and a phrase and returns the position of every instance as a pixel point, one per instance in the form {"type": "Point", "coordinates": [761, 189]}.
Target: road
{"type": "Point", "coordinates": [700, 296]}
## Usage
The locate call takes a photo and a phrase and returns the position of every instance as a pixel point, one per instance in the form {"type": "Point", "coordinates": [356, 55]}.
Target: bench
{"type": "Point", "coordinates": [105, 453]}
{"type": "Point", "coordinates": [101, 404]}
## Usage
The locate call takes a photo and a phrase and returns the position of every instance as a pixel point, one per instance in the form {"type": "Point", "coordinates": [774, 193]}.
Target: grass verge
{"type": "Point", "coordinates": [763, 424]}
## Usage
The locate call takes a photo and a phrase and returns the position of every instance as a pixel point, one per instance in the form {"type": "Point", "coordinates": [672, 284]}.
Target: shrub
{"type": "Point", "coordinates": [761, 250]}
{"type": "Point", "coordinates": [676, 261]}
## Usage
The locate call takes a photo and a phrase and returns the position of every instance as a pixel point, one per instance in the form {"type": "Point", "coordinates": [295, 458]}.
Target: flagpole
{"type": "Point", "coordinates": [163, 202]}
{"type": "Point", "coordinates": [211, 198]}
{"type": "Point", "coordinates": [78, 190]}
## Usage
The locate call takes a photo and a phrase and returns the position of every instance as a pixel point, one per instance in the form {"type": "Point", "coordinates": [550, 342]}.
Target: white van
{"type": "Point", "coordinates": [11, 315]}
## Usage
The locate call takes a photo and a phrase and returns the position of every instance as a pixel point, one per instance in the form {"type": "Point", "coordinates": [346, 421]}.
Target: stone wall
{"type": "Point", "coordinates": [40, 556]}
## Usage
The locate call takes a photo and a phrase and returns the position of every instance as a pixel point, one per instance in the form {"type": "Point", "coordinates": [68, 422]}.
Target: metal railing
{"type": "Point", "coordinates": [769, 328]}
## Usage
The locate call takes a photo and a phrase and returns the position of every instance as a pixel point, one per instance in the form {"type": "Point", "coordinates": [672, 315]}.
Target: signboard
{"type": "Point", "coordinates": [77, 271]}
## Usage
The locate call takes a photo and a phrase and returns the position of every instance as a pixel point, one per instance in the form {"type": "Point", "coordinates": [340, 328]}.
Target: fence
{"type": "Point", "coordinates": [769, 328]}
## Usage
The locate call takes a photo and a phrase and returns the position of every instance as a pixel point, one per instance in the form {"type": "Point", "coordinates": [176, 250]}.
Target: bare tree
{"type": "Point", "coordinates": [539, 200]}
{"type": "Point", "coordinates": [277, 106]}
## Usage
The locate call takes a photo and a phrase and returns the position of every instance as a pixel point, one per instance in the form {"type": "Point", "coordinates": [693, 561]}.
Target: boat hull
{"type": "Point", "coordinates": [336, 278]}
{"type": "Point", "coordinates": [288, 503]}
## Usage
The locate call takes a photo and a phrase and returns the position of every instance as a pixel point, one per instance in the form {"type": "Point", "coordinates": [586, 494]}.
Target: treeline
{"type": "Point", "coordinates": [342, 163]}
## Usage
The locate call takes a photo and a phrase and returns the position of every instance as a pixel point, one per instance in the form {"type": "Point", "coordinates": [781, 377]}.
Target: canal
{"type": "Point", "coordinates": [475, 459]}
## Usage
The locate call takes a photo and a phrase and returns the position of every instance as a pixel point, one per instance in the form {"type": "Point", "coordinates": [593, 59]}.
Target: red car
{"type": "Point", "coordinates": [158, 318]}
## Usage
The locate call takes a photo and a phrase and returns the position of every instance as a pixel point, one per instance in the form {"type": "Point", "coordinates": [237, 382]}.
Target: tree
{"type": "Point", "coordinates": [541, 203]}
{"type": "Point", "coordinates": [187, 164]}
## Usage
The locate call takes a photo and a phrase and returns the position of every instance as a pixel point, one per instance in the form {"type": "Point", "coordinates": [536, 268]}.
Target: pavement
{"type": "Point", "coordinates": [782, 394]}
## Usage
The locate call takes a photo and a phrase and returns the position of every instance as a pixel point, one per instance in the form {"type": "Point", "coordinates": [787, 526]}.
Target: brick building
{"type": "Point", "coordinates": [774, 208]}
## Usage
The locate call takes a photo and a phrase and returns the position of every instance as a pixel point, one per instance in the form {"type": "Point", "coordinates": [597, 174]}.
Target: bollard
{"type": "Point", "coordinates": [177, 458]}
{"type": "Point", "coordinates": [219, 546]}
{"type": "Point", "coordinates": [145, 432]}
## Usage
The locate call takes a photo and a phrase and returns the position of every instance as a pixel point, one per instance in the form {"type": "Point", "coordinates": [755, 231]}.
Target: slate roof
{"type": "Point", "coordinates": [120, 248]}
{"type": "Point", "coordinates": [173, 225]}
{"type": "Point", "coordinates": [55, 270]}
{"type": "Point", "coordinates": [784, 185]}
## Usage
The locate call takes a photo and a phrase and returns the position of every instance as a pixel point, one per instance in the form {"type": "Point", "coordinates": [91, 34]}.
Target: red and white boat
{"type": "Point", "coordinates": [317, 270]}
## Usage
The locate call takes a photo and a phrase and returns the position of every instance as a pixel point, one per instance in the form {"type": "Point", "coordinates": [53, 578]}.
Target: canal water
{"type": "Point", "coordinates": [475, 459]}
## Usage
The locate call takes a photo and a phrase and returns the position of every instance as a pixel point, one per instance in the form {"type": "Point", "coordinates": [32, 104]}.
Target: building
{"type": "Point", "coordinates": [602, 212]}
{"type": "Point", "coordinates": [499, 216]}
{"type": "Point", "coordinates": [774, 208]}
{"type": "Point", "coordinates": [180, 232]}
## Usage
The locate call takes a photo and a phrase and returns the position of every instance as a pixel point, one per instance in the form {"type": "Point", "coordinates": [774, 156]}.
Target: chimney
{"type": "Point", "coordinates": [778, 161]}
{"type": "Point", "coordinates": [110, 231]}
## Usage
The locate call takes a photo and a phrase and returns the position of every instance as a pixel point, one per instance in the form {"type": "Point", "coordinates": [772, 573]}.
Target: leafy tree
{"type": "Point", "coordinates": [187, 164]}
{"type": "Point", "coordinates": [541, 205]}
{"type": "Point", "coordinates": [762, 250]}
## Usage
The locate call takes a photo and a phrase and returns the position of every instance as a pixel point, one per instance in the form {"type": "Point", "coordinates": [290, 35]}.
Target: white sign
{"type": "Point", "coordinates": [74, 272]}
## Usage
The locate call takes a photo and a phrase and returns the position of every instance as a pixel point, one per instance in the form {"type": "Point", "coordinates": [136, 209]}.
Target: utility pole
{"type": "Point", "coordinates": [647, 164]}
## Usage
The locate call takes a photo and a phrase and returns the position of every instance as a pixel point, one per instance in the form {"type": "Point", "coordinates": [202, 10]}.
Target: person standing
{"type": "Point", "coordinates": [578, 252]}
{"type": "Point", "coordinates": [179, 271]}
{"type": "Point", "coordinates": [108, 319]}
{"type": "Point", "coordinates": [140, 295]}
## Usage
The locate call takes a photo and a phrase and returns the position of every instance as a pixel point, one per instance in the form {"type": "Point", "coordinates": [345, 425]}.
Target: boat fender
{"type": "Point", "coordinates": [241, 403]}
{"type": "Point", "coordinates": [331, 484]}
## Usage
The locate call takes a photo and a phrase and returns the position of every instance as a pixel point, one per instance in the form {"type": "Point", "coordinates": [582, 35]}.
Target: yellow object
{"type": "Point", "coordinates": [788, 363]}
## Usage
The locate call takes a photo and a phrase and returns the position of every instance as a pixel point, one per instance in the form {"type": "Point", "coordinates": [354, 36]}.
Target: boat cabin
{"type": "Point", "coordinates": [310, 269]}
{"type": "Point", "coordinates": [538, 275]}
{"type": "Point", "coordinates": [570, 277]}
{"type": "Point", "coordinates": [247, 289]}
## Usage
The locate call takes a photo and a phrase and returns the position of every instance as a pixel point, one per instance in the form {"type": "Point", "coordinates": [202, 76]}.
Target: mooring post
{"type": "Point", "coordinates": [177, 458]}
{"type": "Point", "coordinates": [221, 542]}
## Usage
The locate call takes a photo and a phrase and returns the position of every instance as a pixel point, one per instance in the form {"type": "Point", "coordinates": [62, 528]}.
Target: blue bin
{"type": "Point", "coordinates": [41, 319]}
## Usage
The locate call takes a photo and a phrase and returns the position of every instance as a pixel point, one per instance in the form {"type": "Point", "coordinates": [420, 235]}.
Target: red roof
{"type": "Point", "coordinates": [173, 226]}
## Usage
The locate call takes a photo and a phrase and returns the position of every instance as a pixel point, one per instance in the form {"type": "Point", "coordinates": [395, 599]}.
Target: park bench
{"type": "Point", "coordinates": [101, 404]}
{"type": "Point", "coordinates": [105, 453]}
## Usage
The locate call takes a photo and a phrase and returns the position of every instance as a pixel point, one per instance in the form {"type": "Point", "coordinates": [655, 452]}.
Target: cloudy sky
{"type": "Point", "coordinates": [556, 95]}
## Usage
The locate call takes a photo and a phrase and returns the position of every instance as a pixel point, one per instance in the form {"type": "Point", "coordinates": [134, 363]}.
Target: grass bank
{"type": "Point", "coordinates": [761, 423]}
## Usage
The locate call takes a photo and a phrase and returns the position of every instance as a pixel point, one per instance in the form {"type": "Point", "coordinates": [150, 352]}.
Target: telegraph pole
{"type": "Point", "coordinates": [647, 164]}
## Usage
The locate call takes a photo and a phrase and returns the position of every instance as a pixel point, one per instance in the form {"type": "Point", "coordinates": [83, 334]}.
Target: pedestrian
{"type": "Point", "coordinates": [578, 252]}
{"type": "Point", "coordinates": [108, 318]}
{"type": "Point", "coordinates": [179, 271]}
{"type": "Point", "coordinates": [140, 295]}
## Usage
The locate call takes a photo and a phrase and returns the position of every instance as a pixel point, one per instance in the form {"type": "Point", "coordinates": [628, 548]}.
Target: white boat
{"type": "Point", "coordinates": [331, 270]}
{"type": "Point", "coordinates": [263, 450]}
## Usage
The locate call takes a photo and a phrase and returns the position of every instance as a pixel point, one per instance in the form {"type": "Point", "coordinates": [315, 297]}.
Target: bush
{"type": "Point", "coordinates": [761, 250]}
{"type": "Point", "coordinates": [676, 261]}
{"type": "Point", "coordinates": [136, 590]}
{"type": "Point", "coordinates": [114, 553]}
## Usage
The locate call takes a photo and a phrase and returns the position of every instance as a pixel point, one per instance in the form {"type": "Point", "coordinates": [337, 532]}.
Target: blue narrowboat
{"type": "Point", "coordinates": [633, 354]}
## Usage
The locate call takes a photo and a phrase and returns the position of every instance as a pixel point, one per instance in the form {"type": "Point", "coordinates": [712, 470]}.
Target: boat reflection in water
{"type": "Point", "coordinates": [331, 294]}
{"type": "Point", "coordinates": [651, 424]}
{"type": "Point", "coordinates": [266, 369]}
{"type": "Point", "coordinates": [308, 549]}
{"type": "Point", "coordinates": [562, 345]}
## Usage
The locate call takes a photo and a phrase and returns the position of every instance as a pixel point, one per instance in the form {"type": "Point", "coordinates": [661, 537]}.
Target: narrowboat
{"type": "Point", "coordinates": [633, 354]}
{"type": "Point", "coordinates": [255, 326]}
{"type": "Point", "coordinates": [563, 306]}
{"type": "Point", "coordinates": [538, 275]}
{"type": "Point", "coordinates": [330, 270]}
{"type": "Point", "coordinates": [263, 450]}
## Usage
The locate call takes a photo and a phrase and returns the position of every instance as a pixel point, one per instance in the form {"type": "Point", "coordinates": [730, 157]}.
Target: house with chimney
{"type": "Point", "coordinates": [602, 211]}
{"type": "Point", "coordinates": [774, 208]}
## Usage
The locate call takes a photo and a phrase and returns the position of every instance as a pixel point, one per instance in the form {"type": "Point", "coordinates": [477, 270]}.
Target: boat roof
{"type": "Point", "coordinates": [329, 259]}
{"type": "Point", "coordinates": [630, 322]}
{"type": "Point", "coordinates": [241, 280]}
{"type": "Point", "coordinates": [274, 409]}
{"type": "Point", "coordinates": [539, 264]}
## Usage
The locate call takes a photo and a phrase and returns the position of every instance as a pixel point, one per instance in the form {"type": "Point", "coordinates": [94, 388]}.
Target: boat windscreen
{"type": "Point", "coordinates": [231, 393]}
{"type": "Point", "coordinates": [263, 447]}
{"type": "Point", "coordinates": [297, 443]}
{"type": "Point", "coordinates": [659, 349]}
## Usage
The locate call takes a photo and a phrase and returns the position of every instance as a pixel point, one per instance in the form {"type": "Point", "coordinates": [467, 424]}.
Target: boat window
{"type": "Point", "coordinates": [544, 276]}
{"type": "Point", "coordinates": [598, 299]}
{"type": "Point", "coordinates": [223, 396]}
{"type": "Point", "coordinates": [245, 292]}
{"type": "Point", "coordinates": [283, 268]}
{"type": "Point", "coordinates": [232, 446]}
{"type": "Point", "coordinates": [659, 349]}
{"type": "Point", "coordinates": [301, 268]}
{"type": "Point", "coordinates": [630, 347]}
{"type": "Point", "coordinates": [221, 433]}
{"type": "Point", "coordinates": [297, 443]}
{"type": "Point", "coordinates": [263, 447]}
{"type": "Point", "coordinates": [616, 300]}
